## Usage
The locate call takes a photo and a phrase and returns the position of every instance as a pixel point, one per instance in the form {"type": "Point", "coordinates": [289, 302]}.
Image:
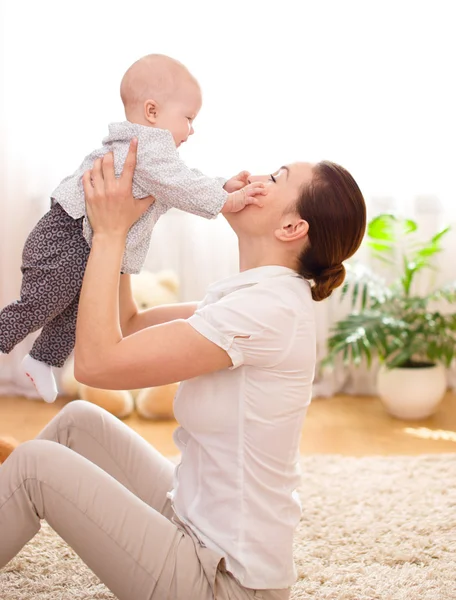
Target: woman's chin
{"type": "Point", "coordinates": [237, 221]}
{"type": "Point", "coordinates": [237, 217]}
{"type": "Point", "coordinates": [230, 217]}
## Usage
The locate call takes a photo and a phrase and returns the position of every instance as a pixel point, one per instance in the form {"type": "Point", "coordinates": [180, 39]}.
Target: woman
{"type": "Point", "coordinates": [221, 525]}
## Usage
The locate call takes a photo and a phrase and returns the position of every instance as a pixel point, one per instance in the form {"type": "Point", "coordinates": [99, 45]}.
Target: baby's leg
{"type": "Point", "coordinates": [54, 260]}
{"type": "Point", "coordinates": [56, 341]}
{"type": "Point", "coordinates": [103, 439]}
{"type": "Point", "coordinates": [52, 347]}
{"type": "Point", "coordinates": [132, 548]}
{"type": "Point", "coordinates": [53, 264]}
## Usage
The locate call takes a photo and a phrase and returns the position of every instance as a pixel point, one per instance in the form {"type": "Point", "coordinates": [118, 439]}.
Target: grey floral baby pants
{"type": "Point", "coordinates": [53, 263]}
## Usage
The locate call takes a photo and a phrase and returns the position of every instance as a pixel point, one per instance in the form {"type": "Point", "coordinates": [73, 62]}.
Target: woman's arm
{"type": "Point", "coordinates": [103, 357]}
{"type": "Point", "coordinates": [133, 320]}
{"type": "Point", "coordinates": [128, 309]}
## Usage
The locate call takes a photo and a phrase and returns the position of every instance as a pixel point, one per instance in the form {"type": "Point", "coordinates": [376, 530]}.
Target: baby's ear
{"type": "Point", "coordinates": [150, 111]}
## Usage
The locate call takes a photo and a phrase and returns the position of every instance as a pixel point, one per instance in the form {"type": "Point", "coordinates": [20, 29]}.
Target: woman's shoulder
{"type": "Point", "coordinates": [273, 297]}
{"type": "Point", "coordinates": [287, 289]}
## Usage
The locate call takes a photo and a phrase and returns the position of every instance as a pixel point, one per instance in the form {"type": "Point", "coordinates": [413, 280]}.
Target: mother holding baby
{"type": "Point", "coordinates": [221, 524]}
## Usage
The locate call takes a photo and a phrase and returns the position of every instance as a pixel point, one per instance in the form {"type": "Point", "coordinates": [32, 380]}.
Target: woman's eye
{"type": "Point", "coordinates": [273, 178]}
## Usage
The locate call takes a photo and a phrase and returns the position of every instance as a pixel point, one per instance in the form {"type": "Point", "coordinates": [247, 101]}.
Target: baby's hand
{"type": "Point", "coordinates": [237, 182]}
{"type": "Point", "coordinates": [237, 201]}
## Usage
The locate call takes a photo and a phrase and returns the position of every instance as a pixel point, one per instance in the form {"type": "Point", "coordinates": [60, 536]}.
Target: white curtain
{"type": "Point", "coordinates": [366, 84]}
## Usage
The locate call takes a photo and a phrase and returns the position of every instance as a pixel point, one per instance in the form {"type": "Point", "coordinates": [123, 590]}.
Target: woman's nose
{"type": "Point", "coordinates": [254, 178]}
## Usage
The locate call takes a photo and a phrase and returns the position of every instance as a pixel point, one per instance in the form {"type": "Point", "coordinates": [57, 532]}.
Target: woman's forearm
{"type": "Point", "coordinates": [158, 315]}
{"type": "Point", "coordinates": [133, 320]}
{"type": "Point", "coordinates": [98, 325]}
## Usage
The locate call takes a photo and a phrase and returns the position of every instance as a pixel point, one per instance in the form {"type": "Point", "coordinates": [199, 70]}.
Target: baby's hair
{"type": "Point", "coordinates": [155, 76]}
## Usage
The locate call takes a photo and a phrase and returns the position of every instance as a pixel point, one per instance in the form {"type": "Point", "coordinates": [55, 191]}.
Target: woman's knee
{"type": "Point", "coordinates": [29, 454]}
{"type": "Point", "coordinates": [79, 410]}
{"type": "Point", "coordinates": [34, 463]}
{"type": "Point", "coordinates": [76, 414]}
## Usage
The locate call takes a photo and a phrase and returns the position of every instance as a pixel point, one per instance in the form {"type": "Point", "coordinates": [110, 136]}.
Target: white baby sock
{"type": "Point", "coordinates": [42, 378]}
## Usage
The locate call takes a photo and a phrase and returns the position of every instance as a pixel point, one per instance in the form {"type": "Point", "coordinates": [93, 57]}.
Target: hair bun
{"type": "Point", "coordinates": [327, 280]}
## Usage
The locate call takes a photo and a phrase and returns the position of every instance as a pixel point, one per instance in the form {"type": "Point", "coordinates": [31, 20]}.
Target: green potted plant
{"type": "Point", "coordinates": [413, 335]}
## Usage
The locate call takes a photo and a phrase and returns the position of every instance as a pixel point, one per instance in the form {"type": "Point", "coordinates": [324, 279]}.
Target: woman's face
{"type": "Point", "coordinates": [283, 187]}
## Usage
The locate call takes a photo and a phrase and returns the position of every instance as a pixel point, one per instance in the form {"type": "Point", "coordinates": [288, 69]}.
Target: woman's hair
{"type": "Point", "coordinates": [334, 207]}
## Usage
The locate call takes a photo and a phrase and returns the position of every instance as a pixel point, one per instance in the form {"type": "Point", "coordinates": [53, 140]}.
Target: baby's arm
{"type": "Point", "coordinates": [240, 192]}
{"type": "Point", "coordinates": [166, 177]}
{"type": "Point", "coordinates": [222, 180]}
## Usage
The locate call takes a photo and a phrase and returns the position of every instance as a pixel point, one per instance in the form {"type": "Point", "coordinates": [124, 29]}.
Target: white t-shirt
{"type": "Point", "coordinates": [240, 428]}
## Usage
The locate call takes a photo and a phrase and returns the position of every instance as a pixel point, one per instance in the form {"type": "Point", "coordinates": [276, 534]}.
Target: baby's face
{"type": "Point", "coordinates": [178, 113]}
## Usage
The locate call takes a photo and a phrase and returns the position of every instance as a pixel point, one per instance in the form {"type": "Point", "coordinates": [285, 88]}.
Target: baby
{"type": "Point", "coordinates": [161, 100]}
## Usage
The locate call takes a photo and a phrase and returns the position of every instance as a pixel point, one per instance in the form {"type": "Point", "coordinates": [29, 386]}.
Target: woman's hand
{"type": "Point", "coordinates": [111, 207]}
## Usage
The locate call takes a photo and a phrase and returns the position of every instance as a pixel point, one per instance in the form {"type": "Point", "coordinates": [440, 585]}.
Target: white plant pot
{"type": "Point", "coordinates": [409, 393]}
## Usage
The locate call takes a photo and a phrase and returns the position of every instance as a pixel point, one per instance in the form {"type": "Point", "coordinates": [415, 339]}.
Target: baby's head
{"type": "Point", "coordinates": [158, 91]}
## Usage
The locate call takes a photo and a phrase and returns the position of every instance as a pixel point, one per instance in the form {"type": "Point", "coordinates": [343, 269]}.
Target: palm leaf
{"type": "Point", "coordinates": [388, 320]}
{"type": "Point", "coordinates": [438, 236]}
{"type": "Point", "coordinates": [362, 281]}
{"type": "Point", "coordinates": [382, 228]}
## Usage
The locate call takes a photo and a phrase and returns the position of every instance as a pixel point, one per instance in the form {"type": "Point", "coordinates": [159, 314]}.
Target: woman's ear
{"type": "Point", "coordinates": [293, 228]}
{"type": "Point", "coordinates": [150, 111]}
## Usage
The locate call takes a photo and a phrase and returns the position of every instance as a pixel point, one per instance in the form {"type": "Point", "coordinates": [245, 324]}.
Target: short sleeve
{"type": "Point", "coordinates": [254, 326]}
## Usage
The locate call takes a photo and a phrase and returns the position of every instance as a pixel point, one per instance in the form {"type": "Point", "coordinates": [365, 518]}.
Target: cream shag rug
{"type": "Point", "coordinates": [373, 528]}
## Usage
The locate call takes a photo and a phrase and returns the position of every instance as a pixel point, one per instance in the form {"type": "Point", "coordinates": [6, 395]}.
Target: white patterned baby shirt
{"type": "Point", "coordinates": [159, 172]}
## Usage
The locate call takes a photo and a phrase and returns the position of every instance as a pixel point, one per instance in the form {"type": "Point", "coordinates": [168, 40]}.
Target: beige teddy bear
{"type": "Point", "coordinates": [7, 445]}
{"type": "Point", "coordinates": [149, 289]}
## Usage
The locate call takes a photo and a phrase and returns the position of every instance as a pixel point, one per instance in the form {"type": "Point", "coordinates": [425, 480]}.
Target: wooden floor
{"type": "Point", "coordinates": [350, 425]}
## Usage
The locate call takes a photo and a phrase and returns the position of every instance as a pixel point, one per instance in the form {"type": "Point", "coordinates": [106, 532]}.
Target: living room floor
{"type": "Point", "coordinates": [349, 425]}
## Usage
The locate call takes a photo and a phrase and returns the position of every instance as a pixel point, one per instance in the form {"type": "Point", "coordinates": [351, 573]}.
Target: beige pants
{"type": "Point", "coordinates": [103, 489]}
